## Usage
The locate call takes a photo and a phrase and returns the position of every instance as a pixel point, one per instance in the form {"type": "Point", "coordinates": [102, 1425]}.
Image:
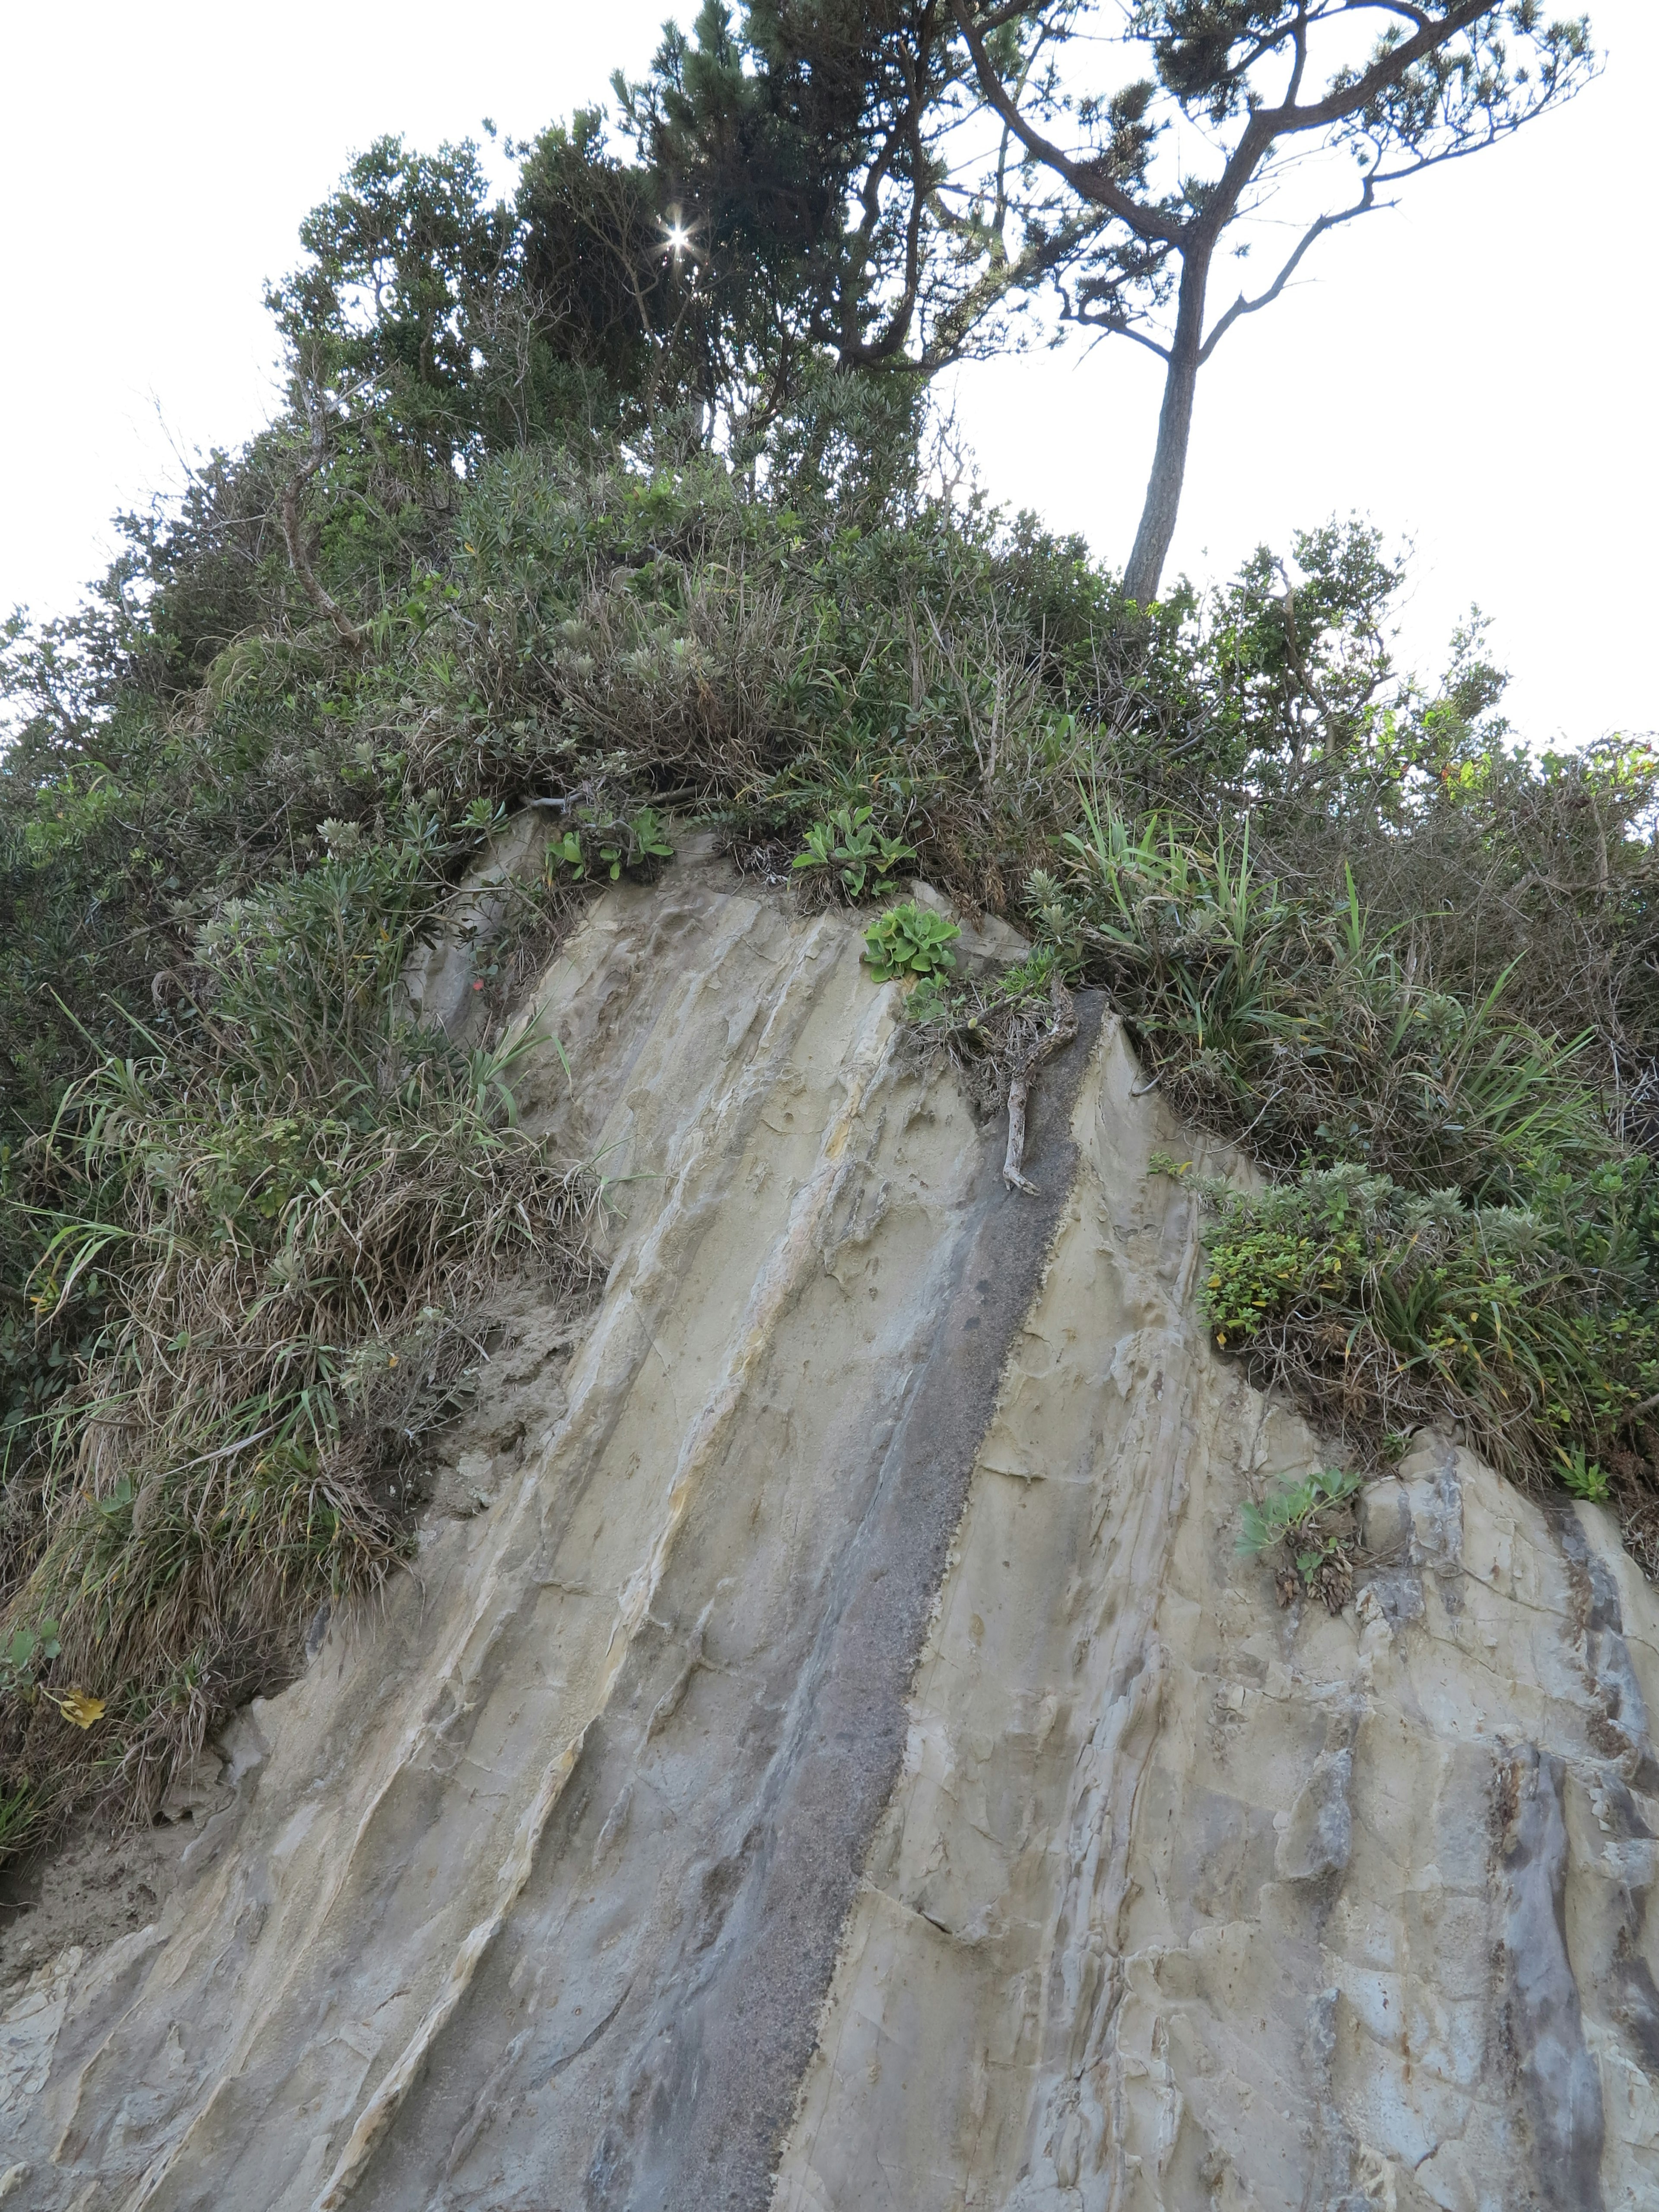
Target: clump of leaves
{"type": "Point", "coordinates": [909, 940]}
{"type": "Point", "coordinates": [598, 845]}
{"type": "Point", "coordinates": [1307, 1525]}
{"type": "Point", "coordinates": [1582, 1477]}
{"type": "Point", "coordinates": [860, 855]}
{"type": "Point", "coordinates": [24, 1653]}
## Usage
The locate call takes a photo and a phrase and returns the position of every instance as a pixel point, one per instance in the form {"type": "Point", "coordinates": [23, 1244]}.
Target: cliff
{"type": "Point", "coordinates": [829, 1753]}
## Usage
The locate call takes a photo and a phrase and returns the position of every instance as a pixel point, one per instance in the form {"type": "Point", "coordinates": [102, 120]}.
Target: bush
{"type": "Point", "coordinates": [263, 1253]}
{"type": "Point", "coordinates": [1281, 1020]}
{"type": "Point", "coordinates": [1535, 1327]}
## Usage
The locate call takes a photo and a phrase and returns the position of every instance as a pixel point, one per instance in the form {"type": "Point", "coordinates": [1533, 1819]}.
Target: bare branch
{"type": "Point", "coordinates": [1087, 178]}
{"type": "Point", "coordinates": [294, 531]}
{"type": "Point", "coordinates": [1364, 205]}
{"type": "Point", "coordinates": [1117, 326]}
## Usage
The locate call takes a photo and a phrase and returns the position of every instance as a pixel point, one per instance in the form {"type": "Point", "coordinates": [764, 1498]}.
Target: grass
{"type": "Point", "coordinates": [294, 1269]}
{"type": "Point", "coordinates": [1456, 1233]}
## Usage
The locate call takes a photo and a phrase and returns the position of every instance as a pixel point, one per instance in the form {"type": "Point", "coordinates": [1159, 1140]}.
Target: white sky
{"type": "Point", "coordinates": [1469, 371]}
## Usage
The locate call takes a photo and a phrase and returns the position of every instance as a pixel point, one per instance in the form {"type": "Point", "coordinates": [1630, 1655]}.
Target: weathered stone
{"type": "Point", "coordinates": [841, 1763]}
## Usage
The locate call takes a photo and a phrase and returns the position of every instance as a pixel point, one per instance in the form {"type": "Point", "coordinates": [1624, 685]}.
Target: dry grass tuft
{"type": "Point", "coordinates": [297, 1288]}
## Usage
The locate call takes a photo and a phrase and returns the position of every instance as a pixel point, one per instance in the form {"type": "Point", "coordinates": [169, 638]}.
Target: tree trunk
{"type": "Point", "coordinates": [1158, 517]}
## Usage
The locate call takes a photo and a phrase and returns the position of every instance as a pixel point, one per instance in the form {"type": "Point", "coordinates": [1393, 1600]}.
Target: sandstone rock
{"type": "Point", "coordinates": [848, 1765]}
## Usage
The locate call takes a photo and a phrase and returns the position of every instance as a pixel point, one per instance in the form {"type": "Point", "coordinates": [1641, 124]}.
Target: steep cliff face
{"type": "Point", "coordinates": [830, 1755]}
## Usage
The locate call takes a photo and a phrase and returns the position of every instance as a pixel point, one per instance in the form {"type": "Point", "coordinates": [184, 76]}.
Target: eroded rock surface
{"type": "Point", "coordinates": [833, 1757]}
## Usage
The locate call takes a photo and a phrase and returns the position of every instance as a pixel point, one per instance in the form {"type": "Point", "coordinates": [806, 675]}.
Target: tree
{"type": "Point", "coordinates": [397, 258]}
{"type": "Point", "coordinates": [771, 243]}
{"type": "Point", "coordinates": [803, 153]}
{"type": "Point", "coordinates": [1265, 83]}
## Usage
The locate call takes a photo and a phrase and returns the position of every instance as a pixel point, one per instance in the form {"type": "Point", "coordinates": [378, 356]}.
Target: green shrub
{"type": "Point", "coordinates": [1279, 1018]}
{"type": "Point", "coordinates": [1535, 1327]}
{"type": "Point", "coordinates": [597, 845]}
{"type": "Point", "coordinates": [296, 1275]}
{"type": "Point", "coordinates": [909, 940]}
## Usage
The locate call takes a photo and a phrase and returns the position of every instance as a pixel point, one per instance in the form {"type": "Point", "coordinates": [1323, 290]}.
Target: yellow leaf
{"type": "Point", "coordinates": [78, 1706]}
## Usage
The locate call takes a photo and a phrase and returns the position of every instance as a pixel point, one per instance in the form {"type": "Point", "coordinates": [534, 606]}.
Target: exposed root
{"type": "Point", "coordinates": [1061, 1028]}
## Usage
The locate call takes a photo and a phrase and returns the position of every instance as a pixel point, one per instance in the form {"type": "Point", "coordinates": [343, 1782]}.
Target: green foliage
{"type": "Point", "coordinates": [1291, 1508]}
{"type": "Point", "coordinates": [26, 1650]}
{"type": "Point", "coordinates": [624, 534]}
{"type": "Point", "coordinates": [908, 940]}
{"type": "Point", "coordinates": [598, 845]}
{"type": "Point", "coordinates": [1582, 1477]}
{"type": "Point", "coordinates": [1305, 1521]}
{"type": "Point", "coordinates": [255, 1260]}
{"type": "Point", "coordinates": [1535, 1325]}
{"type": "Point", "coordinates": [20, 1823]}
{"type": "Point", "coordinates": [994, 1028]}
{"type": "Point", "coordinates": [859, 854]}
{"type": "Point", "coordinates": [298, 1265]}
{"type": "Point", "coordinates": [809, 207]}
{"type": "Point", "coordinates": [1022, 989]}
{"type": "Point", "coordinates": [1284, 1014]}
{"type": "Point", "coordinates": [403, 260]}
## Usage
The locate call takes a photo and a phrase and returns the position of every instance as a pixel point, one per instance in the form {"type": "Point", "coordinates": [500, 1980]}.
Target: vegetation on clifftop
{"type": "Point", "coordinates": [253, 1216]}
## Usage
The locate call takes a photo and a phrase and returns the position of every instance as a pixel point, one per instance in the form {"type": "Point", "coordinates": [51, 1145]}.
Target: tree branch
{"type": "Point", "coordinates": [1363, 205]}
{"type": "Point", "coordinates": [1337, 106]}
{"type": "Point", "coordinates": [1118, 325]}
{"type": "Point", "coordinates": [293, 536]}
{"type": "Point", "coordinates": [1085, 178]}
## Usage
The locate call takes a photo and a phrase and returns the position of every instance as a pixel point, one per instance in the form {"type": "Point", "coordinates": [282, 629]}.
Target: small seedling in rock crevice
{"type": "Point", "coordinates": [1315, 1560]}
{"type": "Point", "coordinates": [908, 940]}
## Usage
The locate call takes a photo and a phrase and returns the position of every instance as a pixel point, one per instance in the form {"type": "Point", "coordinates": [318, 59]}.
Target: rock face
{"type": "Point", "coordinates": [830, 1755]}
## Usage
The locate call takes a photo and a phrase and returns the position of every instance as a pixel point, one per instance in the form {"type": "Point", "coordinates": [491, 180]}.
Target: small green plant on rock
{"type": "Point", "coordinates": [1299, 1520]}
{"type": "Point", "coordinates": [909, 940]}
{"type": "Point", "coordinates": [597, 845]}
{"type": "Point", "coordinates": [863, 856]}
{"type": "Point", "coordinates": [1582, 1477]}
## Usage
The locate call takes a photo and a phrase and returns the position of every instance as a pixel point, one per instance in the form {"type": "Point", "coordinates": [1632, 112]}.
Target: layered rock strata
{"type": "Point", "coordinates": [830, 1755]}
